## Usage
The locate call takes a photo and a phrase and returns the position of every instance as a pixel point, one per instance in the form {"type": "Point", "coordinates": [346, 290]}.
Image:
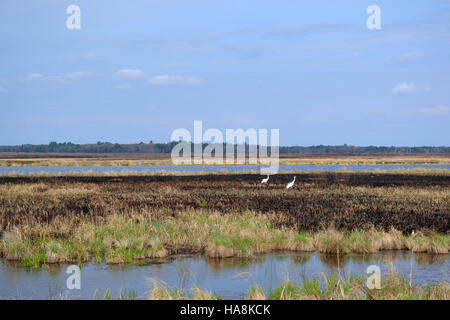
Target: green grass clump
{"type": "Point", "coordinates": [106, 295]}
{"type": "Point", "coordinates": [128, 238]}
{"type": "Point", "coordinates": [285, 291]}
{"type": "Point", "coordinates": [333, 287]}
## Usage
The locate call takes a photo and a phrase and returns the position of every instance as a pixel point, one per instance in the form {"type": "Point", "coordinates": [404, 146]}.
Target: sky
{"type": "Point", "coordinates": [137, 70]}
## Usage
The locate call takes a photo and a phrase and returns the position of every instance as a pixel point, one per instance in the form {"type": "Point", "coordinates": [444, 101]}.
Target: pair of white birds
{"type": "Point", "coordinates": [290, 184]}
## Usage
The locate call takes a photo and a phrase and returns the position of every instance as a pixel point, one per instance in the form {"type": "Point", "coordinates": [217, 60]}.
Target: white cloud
{"type": "Point", "coordinates": [167, 79]}
{"type": "Point", "coordinates": [34, 76]}
{"type": "Point", "coordinates": [404, 88]}
{"type": "Point", "coordinates": [352, 55]}
{"type": "Point", "coordinates": [66, 76]}
{"type": "Point", "coordinates": [29, 92]}
{"type": "Point", "coordinates": [90, 57]}
{"type": "Point", "coordinates": [130, 73]}
{"type": "Point", "coordinates": [411, 56]}
{"type": "Point", "coordinates": [123, 87]}
{"type": "Point", "coordinates": [440, 110]}
{"type": "Point", "coordinates": [76, 75]}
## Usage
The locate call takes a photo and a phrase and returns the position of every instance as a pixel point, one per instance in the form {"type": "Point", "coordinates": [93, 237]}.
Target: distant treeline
{"type": "Point", "coordinates": [107, 147]}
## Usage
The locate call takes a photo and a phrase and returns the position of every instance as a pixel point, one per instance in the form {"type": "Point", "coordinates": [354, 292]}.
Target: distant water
{"type": "Point", "coordinates": [215, 168]}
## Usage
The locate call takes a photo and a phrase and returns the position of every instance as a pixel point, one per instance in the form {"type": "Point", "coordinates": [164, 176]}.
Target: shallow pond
{"type": "Point", "coordinates": [228, 278]}
{"type": "Point", "coordinates": [213, 168]}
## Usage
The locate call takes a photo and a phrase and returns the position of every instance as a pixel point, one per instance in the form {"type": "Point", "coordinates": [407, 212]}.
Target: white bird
{"type": "Point", "coordinates": [265, 180]}
{"type": "Point", "coordinates": [290, 184]}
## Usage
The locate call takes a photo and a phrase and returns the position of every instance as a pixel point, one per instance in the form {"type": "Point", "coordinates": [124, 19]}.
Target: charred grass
{"type": "Point", "coordinates": [130, 218]}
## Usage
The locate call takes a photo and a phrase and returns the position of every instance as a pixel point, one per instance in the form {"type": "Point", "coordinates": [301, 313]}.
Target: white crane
{"type": "Point", "coordinates": [290, 184]}
{"type": "Point", "coordinates": [265, 179]}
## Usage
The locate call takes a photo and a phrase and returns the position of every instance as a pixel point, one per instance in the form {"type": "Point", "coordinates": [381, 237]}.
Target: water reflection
{"type": "Point", "coordinates": [229, 278]}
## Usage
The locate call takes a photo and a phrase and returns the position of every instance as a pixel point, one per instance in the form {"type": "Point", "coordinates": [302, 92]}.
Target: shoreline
{"type": "Point", "coordinates": [75, 160]}
{"type": "Point", "coordinates": [256, 173]}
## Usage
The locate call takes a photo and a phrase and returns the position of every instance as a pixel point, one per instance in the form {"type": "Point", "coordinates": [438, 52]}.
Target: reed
{"type": "Point", "coordinates": [393, 287]}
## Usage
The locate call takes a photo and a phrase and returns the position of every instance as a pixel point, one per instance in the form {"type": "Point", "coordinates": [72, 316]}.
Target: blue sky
{"type": "Point", "coordinates": [137, 70]}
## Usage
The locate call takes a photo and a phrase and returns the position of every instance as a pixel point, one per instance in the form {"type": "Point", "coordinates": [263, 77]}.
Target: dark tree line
{"type": "Point", "coordinates": [107, 147]}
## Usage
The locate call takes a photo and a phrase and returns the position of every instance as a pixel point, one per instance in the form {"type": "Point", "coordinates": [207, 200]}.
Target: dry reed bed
{"type": "Point", "coordinates": [139, 236]}
{"type": "Point", "coordinates": [75, 160]}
